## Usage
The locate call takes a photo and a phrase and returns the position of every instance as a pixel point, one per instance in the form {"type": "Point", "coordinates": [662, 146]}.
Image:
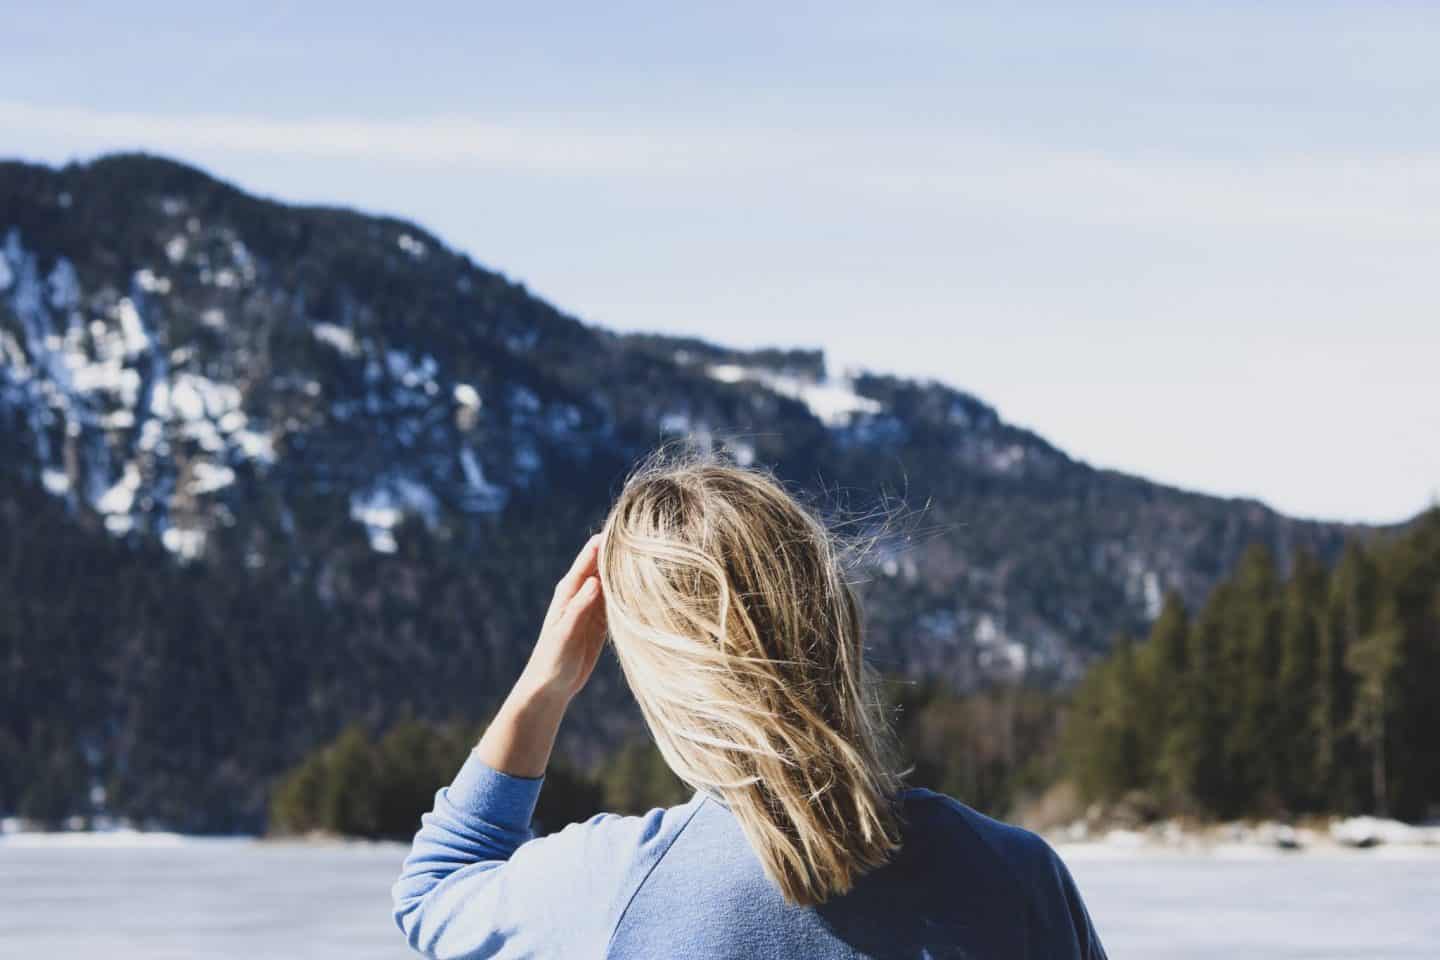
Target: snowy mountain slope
{"type": "Point", "coordinates": [331, 420]}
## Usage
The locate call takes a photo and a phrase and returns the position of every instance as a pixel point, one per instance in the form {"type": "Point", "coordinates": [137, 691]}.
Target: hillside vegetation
{"type": "Point", "coordinates": [270, 472]}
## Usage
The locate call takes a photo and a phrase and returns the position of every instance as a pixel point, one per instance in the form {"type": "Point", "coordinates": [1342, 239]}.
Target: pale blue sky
{"type": "Point", "coordinates": [1198, 242]}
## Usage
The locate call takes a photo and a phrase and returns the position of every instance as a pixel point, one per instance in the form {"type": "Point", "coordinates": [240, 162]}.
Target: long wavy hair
{"type": "Point", "coordinates": [741, 639]}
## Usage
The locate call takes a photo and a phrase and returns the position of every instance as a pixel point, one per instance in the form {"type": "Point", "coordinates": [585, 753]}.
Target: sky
{"type": "Point", "coordinates": [1197, 242]}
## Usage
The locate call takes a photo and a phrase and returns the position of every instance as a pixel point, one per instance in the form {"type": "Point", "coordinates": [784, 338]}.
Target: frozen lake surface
{"type": "Point", "coordinates": [153, 900]}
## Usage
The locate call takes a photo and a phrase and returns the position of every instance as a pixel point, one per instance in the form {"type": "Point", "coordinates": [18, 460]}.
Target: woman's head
{"type": "Point", "coordinates": [741, 639]}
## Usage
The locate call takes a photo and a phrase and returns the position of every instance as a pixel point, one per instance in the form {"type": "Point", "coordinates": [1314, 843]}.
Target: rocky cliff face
{"type": "Point", "coordinates": [331, 468]}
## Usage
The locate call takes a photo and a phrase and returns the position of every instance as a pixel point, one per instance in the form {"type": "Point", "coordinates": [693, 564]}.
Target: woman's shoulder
{"type": "Point", "coordinates": [1057, 910]}
{"type": "Point", "coordinates": [636, 839]}
{"type": "Point", "coordinates": [1022, 850]}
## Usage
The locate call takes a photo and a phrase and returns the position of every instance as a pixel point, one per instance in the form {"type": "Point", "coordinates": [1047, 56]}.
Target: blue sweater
{"type": "Point", "coordinates": [683, 883]}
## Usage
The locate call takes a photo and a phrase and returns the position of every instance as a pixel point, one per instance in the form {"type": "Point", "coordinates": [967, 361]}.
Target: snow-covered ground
{"type": "Point", "coordinates": [1243, 903]}
{"type": "Point", "coordinates": [130, 896]}
{"type": "Point", "coordinates": [1250, 839]}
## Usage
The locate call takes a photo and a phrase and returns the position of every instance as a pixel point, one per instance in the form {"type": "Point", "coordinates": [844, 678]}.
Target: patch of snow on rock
{"type": "Point", "coordinates": [187, 544]}
{"type": "Point", "coordinates": [13, 354]}
{"type": "Point", "coordinates": [833, 400]}
{"type": "Point", "coordinates": [409, 372]}
{"type": "Point", "coordinates": [338, 337]}
{"type": "Point", "coordinates": [176, 247]}
{"type": "Point", "coordinates": [742, 451]}
{"type": "Point", "coordinates": [728, 372]}
{"type": "Point", "coordinates": [194, 397]}
{"type": "Point", "coordinates": [1154, 597]}
{"type": "Point", "coordinates": [232, 421]}
{"type": "Point", "coordinates": [150, 282]}
{"type": "Point", "coordinates": [1007, 458]}
{"type": "Point", "coordinates": [204, 433]}
{"type": "Point", "coordinates": [209, 477]}
{"type": "Point", "coordinates": [132, 328]}
{"type": "Point", "coordinates": [186, 399]}
{"type": "Point", "coordinates": [480, 494]}
{"type": "Point", "coordinates": [151, 434]}
{"type": "Point", "coordinates": [121, 496]}
{"type": "Point", "coordinates": [381, 508]}
{"type": "Point", "coordinates": [255, 445]}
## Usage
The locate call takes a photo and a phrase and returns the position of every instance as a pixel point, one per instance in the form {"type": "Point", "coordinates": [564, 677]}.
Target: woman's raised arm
{"type": "Point", "coordinates": [482, 818]}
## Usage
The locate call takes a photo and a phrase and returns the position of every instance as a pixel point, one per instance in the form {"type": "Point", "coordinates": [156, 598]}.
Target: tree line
{"type": "Point", "coordinates": [365, 786]}
{"type": "Point", "coordinates": [1281, 695]}
{"type": "Point", "coordinates": [983, 747]}
{"type": "Point", "coordinates": [1309, 692]}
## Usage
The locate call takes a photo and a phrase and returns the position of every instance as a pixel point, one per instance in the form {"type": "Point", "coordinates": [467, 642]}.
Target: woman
{"type": "Point", "coordinates": [741, 640]}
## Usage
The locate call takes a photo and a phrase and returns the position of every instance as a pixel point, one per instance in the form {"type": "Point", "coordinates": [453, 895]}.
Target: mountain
{"type": "Point", "coordinates": [269, 469]}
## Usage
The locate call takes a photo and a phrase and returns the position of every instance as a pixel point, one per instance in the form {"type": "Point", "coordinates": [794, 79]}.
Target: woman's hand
{"type": "Point", "coordinates": [573, 633]}
{"type": "Point", "coordinates": [520, 738]}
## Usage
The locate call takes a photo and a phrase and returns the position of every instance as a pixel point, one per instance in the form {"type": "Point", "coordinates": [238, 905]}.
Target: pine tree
{"type": "Point", "coordinates": [1349, 615]}
{"type": "Point", "coordinates": [1410, 568]}
{"type": "Point", "coordinates": [1102, 733]}
{"type": "Point", "coordinates": [1374, 660]}
{"type": "Point", "coordinates": [1300, 685]}
{"type": "Point", "coordinates": [1175, 715]}
{"type": "Point", "coordinates": [348, 802]}
{"type": "Point", "coordinates": [1213, 685]}
{"type": "Point", "coordinates": [295, 799]}
{"type": "Point", "coordinates": [412, 761]}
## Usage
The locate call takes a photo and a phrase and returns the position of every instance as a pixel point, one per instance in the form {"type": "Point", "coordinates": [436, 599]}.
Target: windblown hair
{"type": "Point", "coordinates": [741, 640]}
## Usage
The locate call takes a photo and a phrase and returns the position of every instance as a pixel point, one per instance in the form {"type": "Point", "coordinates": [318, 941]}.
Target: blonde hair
{"type": "Point", "coordinates": [741, 640]}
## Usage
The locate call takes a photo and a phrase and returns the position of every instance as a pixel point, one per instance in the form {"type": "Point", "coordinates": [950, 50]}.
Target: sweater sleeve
{"type": "Point", "coordinates": [1086, 939]}
{"type": "Point", "coordinates": [1063, 922]}
{"type": "Point", "coordinates": [477, 883]}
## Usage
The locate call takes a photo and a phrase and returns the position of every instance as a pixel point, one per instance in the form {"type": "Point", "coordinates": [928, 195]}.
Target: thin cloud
{"type": "Point", "coordinates": [447, 141]}
{"type": "Point", "coordinates": [1342, 190]}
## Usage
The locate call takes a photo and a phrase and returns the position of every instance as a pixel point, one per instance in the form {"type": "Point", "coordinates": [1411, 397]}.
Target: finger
{"type": "Point", "coordinates": [567, 585]}
{"type": "Point", "coordinates": [592, 653]}
{"type": "Point", "coordinates": [583, 565]}
{"type": "Point", "coordinates": [587, 641]}
{"type": "Point", "coordinates": [592, 628]}
{"type": "Point", "coordinates": [583, 602]}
